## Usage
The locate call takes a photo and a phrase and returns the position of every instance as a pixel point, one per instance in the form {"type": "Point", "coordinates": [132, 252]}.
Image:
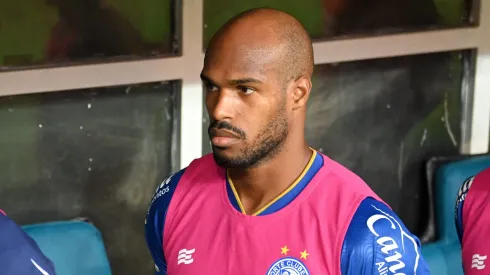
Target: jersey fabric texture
{"type": "Point", "coordinates": [327, 222]}
{"type": "Point", "coordinates": [19, 253]}
{"type": "Point", "coordinates": [473, 223]}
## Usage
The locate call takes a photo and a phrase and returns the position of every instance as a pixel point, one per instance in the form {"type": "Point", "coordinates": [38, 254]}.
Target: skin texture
{"type": "Point", "coordinates": [257, 73]}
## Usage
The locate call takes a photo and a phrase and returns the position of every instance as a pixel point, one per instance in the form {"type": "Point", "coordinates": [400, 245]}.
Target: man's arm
{"type": "Point", "coordinates": [19, 253]}
{"type": "Point", "coordinates": [377, 242]}
{"type": "Point", "coordinates": [155, 220]}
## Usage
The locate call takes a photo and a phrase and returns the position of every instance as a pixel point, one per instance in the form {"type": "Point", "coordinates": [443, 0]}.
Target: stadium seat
{"type": "Point", "coordinates": [75, 247]}
{"type": "Point", "coordinates": [444, 255]}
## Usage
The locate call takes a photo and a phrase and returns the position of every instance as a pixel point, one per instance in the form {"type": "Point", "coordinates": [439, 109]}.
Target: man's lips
{"type": "Point", "coordinates": [223, 138]}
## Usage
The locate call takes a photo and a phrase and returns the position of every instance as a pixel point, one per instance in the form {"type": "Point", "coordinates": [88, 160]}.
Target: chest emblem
{"type": "Point", "coordinates": [289, 265]}
{"type": "Point", "coordinates": [185, 256]}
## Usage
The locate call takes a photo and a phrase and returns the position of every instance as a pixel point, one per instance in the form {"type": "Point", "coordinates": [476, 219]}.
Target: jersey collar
{"type": "Point", "coordinates": [286, 197]}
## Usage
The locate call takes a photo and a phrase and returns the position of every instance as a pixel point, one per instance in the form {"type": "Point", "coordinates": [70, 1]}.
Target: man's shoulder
{"type": "Point", "coordinates": [166, 188]}
{"type": "Point", "coordinates": [485, 174]}
{"type": "Point", "coordinates": [482, 181]}
{"type": "Point", "coordinates": [374, 218]}
{"type": "Point", "coordinates": [478, 184]}
{"type": "Point", "coordinates": [472, 228]}
{"type": "Point", "coordinates": [339, 176]}
{"type": "Point", "coordinates": [197, 168]}
{"type": "Point", "coordinates": [156, 217]}
{"type": "Point", "coordinates": [20, 253]}
{"type": "Point", "coordinates": [480, 191]}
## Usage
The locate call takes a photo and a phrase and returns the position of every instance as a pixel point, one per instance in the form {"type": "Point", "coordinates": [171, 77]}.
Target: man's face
{"type": "Point", "coordinates": [246, 102]}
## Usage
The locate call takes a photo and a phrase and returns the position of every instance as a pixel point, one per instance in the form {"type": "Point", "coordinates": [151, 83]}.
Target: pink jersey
{"type": "Point", "coordinates": [473, 223]}
{"type": "Point", "coordinates": [317, 226]}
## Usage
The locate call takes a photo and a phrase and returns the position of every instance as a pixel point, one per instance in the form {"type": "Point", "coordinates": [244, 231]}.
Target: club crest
{"type": "Point", "coordinates": [288, 266]}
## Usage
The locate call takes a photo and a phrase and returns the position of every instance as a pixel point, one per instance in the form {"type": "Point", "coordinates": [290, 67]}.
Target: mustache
{"type": "Point", "coordinates": [227, 126]}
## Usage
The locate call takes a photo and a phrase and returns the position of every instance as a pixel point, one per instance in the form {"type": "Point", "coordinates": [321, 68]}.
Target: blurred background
{"type": "Point", "coordinates": [100, 151]}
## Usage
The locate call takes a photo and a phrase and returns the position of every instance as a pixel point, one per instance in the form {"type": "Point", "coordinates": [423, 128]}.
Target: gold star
{"type": "Point", "coordinates": [284, 250]}
{"type": "Point", "coordinates": [304, 254]}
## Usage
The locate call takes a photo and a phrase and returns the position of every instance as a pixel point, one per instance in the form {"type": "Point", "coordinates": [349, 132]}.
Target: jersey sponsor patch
{"type": "Point", "coordinates": [392, 249]}
{"type": "Point", "coordinates": [162, 189]}
{"type": "Point", "coordinates": [377, 242]}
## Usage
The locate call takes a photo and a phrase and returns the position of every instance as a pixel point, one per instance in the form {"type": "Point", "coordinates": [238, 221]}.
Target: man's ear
{"type": "Point", "coordinates": [301, 92]}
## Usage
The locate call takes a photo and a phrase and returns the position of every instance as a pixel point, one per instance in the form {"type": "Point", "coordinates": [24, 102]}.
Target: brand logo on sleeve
{"type": "Point", "coordinates": [393, 260]}
{"type": "Point", "coordinates": [162, 189]}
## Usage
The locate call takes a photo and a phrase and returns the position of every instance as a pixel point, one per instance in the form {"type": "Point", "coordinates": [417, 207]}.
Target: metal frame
{"type": "Point", "coordinates": [187, 68]}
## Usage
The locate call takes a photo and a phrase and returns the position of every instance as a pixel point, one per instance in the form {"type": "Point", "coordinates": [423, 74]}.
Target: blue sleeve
{"type": "Point", "coordinates": [19, 253]}
{"type": "Point", "coordinates": [377, 242]}
{"type": "Point", "coordinates": [155, 220]}
{"type": "Point", "coordinates": [458, 211]}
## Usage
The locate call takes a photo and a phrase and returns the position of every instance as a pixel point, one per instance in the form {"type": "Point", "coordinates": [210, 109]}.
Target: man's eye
{"type": "Point", "coordinates": [246, 90]}
{"type": "Point", "coordinates": [211, 88]}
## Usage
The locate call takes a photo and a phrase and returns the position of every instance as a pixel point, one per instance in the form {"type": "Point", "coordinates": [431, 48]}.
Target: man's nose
{"type": "Point", "coordinates": [223, 102]}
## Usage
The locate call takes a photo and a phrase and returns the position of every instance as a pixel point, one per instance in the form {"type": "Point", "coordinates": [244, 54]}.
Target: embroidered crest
{"type": "Point", "coordinates": [288, 266]}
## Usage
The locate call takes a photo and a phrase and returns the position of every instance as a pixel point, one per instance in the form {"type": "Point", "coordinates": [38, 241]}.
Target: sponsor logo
{"type": "Point", "coordinates": [162, 189]}
{"type": "Point", "coordinates": [185, 256]}
{"type": "Point", "coordinates": [478, 261]}
{"type": "Point", "coordinates": [393, 260]}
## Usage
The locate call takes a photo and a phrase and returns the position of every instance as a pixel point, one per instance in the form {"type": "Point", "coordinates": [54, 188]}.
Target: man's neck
{"type": "Point", "coordinates": [258, 186]}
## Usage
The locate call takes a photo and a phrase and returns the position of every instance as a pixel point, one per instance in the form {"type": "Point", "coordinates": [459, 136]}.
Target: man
{"type": "Point", "coordinates": [473, 222]}
{"type": "Point", "coordinates": [264, 202]}
{"type": "Point", "coordinates": [19, 253]}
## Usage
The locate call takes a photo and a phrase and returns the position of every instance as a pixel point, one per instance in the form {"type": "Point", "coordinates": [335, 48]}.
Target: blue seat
{"type": "Point", "coordinates": [75, 247]}
{"type": "Point", "coordinates": [444, 255]}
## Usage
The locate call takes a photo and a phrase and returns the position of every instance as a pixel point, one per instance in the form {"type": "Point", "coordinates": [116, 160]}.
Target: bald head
{"type": "Point", "coordinates": [265, 39]}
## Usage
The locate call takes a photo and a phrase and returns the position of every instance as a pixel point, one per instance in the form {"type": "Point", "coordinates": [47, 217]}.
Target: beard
{"type": "Point", "coordinates": [266, 145]}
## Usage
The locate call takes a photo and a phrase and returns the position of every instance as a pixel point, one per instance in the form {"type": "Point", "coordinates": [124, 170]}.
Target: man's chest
{"type": "Point", "coordinates": [228, 246]}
